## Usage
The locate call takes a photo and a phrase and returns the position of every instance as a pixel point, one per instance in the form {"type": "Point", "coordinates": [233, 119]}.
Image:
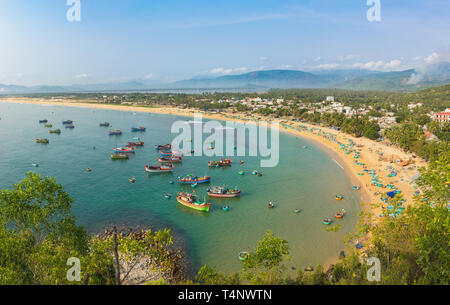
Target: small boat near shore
{"type": "Point", "coordinates": [327, 221]}
{"type": "Point", "coordinates": [68, 122]}
{"type": "Point", "coordinates": [43, 121]}
{"type": "Point", "coordinates": [124, 150]}
{"type": "Point", "coordinates": [118, 156]}
{"type": "Point", "coordinates": [69, 126]}
{"type": "Point", "coordinates": [190, 179]}
{"type": "Point", "coordinates": [165, 168]}
{"type": "Point", "coordinates": [48, 125]}
{"type": "Point", "coordinates": [223, 192]}
{"type": "Point", "coordinates": [243, 256]}
{"type": "Point", "coordinates": [339, 197]}
{"type": "Point", "coordinates": [105, 124]}
{"type": "Point", "coordinates": [191, 201]}
{"type": "Point", "coordinates": [43, 141]}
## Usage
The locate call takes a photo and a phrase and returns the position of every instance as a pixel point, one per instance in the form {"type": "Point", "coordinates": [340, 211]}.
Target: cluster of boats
{"type": "Point", "coordinates": [122, 153]}
{"type": "Point", "coordinates": [221, 163]}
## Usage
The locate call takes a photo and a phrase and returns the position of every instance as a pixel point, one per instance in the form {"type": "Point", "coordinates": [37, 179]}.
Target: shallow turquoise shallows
{"type": "Point", "coordinates": [305, 178]}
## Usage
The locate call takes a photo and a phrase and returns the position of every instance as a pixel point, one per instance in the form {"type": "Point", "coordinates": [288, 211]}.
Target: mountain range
{"type": "Point", "coordinates": [407, 80]}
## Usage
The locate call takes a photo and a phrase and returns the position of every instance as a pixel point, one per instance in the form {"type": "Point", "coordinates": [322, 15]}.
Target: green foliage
{"type": "Point", "coordinates": [38, 233]}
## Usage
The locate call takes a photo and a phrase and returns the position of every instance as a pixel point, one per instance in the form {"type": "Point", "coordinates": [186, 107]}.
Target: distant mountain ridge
{"type": "Point", "coordinates": [407, 80]}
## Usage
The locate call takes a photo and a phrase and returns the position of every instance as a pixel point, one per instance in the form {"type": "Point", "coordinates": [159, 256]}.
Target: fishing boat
{"type": "Point", "coordinates": [35, 164]}
{"type": "Point", "coordinates": [48, 125]}
{"type": "Point", "coordinates": [356, 188]}
{"type": "Point", "coordinates": [297, 211]}
{"type": "Point", "coordinates": [339, 215]}
{"type": "Point", "coordinates": [167, 196]}
{"type": "Point", "coordinates": [190, 179]}
{"type": "Point", "coordinates": [163, 147]}
{"type": "Point", "coordinates": [136, 143]}
{"type": "Point", "coordinates": [165, 168]}
{"type": "Point", "coordinates": [171, 159]}
{"type": "Point", "coordinates": [242, 173]}
{"type": "Point", "coordinates": [68, 122]}
{"type": "Point", "coordinates": [225, 208]}
{"type": "Point", "coordinates": [191, 201]}
{"type": "Point", "coordinates": [339, 197]}
{"type": "Point", "coordinates": [132, 180]}
{"type": "Point", "coordinates": [138, 129]}
{"type": "Point", "coordinates": [56, 131]}
{"type": "Point", "coordinates": [70, 126]}
{"type": "Point", "coordinates": [119, 156]}
{"type": "Point", "coordinates": [116, 132]}
{"type": "Point", "coordinates": [171, 182]}
{"type": "Point", "coordinates": [43, 141]}
{"type": "Point", "coordinates": [223, 192]}
{"type": "Point", "coordinates": [271, 205]}
{"type": "Point", "coordinates": [105, 124]}
{"type": "Point", "coordinates": [243, 256]}
{"type": "Point", "coordinates": [327, 221]}
{"type": "Point", "coordinates": [221, 163]}
{"type": "Point", "coordinates": [166, 153]}
{"type": "Point", "coordinates": [130, 150]}
{"type": "Point", "coordinates": [43, 121]}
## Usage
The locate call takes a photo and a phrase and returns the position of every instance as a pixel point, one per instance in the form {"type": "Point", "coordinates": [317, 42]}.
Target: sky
{"type": "Point", "coordinates": [169, 40]}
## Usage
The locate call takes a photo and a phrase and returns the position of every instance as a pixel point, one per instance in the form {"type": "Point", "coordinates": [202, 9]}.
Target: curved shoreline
{"type": "Point", "coordinates": [369, 150]}
{"type": "Point", "coordinates": [347, 162]}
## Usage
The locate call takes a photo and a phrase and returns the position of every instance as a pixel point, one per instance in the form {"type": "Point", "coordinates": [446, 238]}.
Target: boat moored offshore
{"type": "Point", "coordinates": [159, 169]}
{"type": "Point", "coordinates": [136, 143]}
{"type": "Point", "coordinates": [223, 192]}
{"type": "Point", "coordinates": [191, 201]}
{"type": "Point", "coordinates": [190, 179]}
{"type": "Point", "coordinates": [124, 150]}
{"type": "Point", "coordinates": [136, 129]}
{"type": "Point", "coordinates": [116, 132]}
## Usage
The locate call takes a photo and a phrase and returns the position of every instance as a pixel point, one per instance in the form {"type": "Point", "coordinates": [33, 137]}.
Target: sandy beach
{"type": "Point", "coordinates": [369, 151]}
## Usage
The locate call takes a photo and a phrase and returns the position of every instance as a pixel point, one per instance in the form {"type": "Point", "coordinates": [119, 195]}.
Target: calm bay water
{"type": "Point", "coordinates": [305, 178]}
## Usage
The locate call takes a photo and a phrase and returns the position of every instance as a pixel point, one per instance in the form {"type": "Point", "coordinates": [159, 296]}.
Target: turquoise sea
{"type": "Point", "coordinates": [305, 178]}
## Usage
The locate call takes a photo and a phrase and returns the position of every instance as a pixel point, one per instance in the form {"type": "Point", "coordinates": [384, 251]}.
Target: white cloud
{"type": "Point", "coordinates": [393, 64]}
{"type": "Point", "coordinates": [149, 75]}
{"type": "Point", "coordinates": [432, 58]}
{"type": "Point", "coordinates": [263, 58]}
{"type": "Point", "coordinates": [327, 66]}
{"type": "Point", "coordinates": [318, 58]}
{"type": "Point", "coordinates": [285, 67]}
{"type": "Point", "coordinates": [224, 71]}
{"type": "Point", "coordinates": [379, 65]}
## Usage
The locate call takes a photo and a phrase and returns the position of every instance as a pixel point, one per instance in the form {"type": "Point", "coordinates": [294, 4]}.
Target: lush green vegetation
{"type": "Point", "coordinates": [38, 234]}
